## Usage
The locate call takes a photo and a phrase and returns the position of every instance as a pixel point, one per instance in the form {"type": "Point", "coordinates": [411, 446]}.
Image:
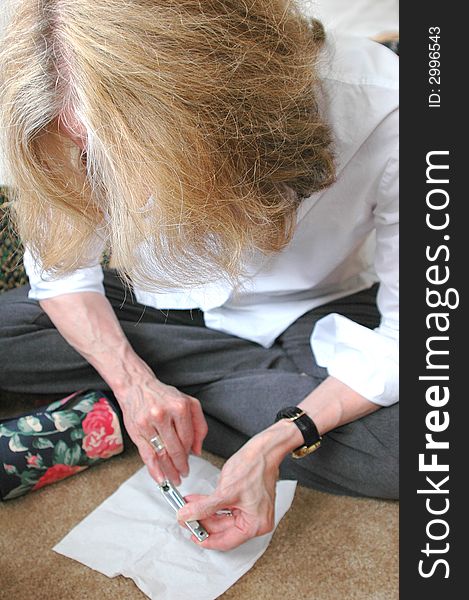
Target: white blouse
{"type": "Point", "coordinates": [346, 238]}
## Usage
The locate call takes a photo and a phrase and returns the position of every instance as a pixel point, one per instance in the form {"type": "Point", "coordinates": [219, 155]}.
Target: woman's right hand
{"type": "Point", "coordinates": [88, 323]}
{"type": "Point", "coordinates": [151, 408]}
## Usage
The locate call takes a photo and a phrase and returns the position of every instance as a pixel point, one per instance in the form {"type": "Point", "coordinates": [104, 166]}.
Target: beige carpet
{"type": "Point", "coordinates": [326, 548]}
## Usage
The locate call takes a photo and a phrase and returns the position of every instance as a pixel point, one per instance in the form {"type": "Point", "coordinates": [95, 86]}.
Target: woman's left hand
{"type": "Point", "coordinates": [247, 481]}
{"type": "Point", "coordinates": [247, 488]}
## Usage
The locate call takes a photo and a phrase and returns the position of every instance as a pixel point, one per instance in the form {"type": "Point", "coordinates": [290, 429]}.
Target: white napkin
{"type": "Point", "coordinates": [135, 533]}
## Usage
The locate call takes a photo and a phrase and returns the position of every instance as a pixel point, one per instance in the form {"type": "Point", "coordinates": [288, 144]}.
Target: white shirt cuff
{"type": "Point", "coordinates": [362, 358]}
{"type": "Point", "coordinates": [87, 279]}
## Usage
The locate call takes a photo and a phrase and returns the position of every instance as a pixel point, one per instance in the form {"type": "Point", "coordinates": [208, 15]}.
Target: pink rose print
{"type": "Point", "coordinates": [103, 436]}
{"type": "Point", "coordinates": [56, 473]}
{"type": "Point", "coordinates": [33, 460]}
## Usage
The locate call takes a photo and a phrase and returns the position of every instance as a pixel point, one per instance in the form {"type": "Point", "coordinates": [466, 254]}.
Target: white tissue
{"type": "Point", "coordinates": [135, 533]}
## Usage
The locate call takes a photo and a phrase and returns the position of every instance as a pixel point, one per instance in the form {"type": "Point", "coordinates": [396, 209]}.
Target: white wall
{"type": "Point", "coordinates": [364, 18]}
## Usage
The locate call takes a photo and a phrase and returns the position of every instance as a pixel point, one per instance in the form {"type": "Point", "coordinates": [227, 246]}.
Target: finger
{"type": "Point", "coordinates": [147, 430]}
{"type": "Point", "coordinates": [174, 450]}
{"type": "Point", "coordinates": [141, 434]}
{"type": "Point", "coordinates": [159, 464]}
{"type": "Point", "coordinates": [202, 508]}
{"type": "Point", "coordinates": [182, 418]}
{"type": "Point", "coordinates": [194, 497]}
{"type": "Point", "coordinates": [168, 468]}
{"type": "Point", "coordinates": [166, 464]}
{"type": "Point", "coordinates": [199, 425]}
{"type": "Point", "coordinates": [149, 458]}
{"type": "Point", "coordinates": [225, 540]}
{"type": "Point", "coordinates": [212, 524]}
{"type": "Point", "coordinates": [218, 523]}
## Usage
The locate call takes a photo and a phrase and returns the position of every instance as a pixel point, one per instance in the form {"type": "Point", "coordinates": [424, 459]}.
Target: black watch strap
{"type": "Point", "coordinates": [311, 437]}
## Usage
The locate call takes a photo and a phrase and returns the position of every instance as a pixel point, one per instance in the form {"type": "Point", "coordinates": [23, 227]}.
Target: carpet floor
{"type": "Point", "coordinates": [326, 547]}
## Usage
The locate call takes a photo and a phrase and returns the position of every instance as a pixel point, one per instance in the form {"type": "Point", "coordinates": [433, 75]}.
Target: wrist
{"type": "Point", "coordinates": [126, 372]}
{"type": "Point", "coordinates": [333, 404]}
{"type": "Point", "coordinates": [325, 416]}
{"type": "Point", "coordinates": [279, 440]}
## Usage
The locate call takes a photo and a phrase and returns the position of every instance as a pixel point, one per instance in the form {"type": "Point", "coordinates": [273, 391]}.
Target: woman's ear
{"type": "Point", "coordinates": [70, 126]}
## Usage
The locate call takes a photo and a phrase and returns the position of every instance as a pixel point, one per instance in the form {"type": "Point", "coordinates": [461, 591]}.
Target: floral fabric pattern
{"type": "Point", "coordinates": [102, 432]}
{"type": "Point", "coordinates": [61, 439]}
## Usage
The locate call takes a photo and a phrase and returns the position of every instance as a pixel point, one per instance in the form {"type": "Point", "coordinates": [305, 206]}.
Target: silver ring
{"type": "Point", "coordinates": [157, 444]}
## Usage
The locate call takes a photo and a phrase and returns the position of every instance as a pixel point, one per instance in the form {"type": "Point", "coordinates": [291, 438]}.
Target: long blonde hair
{"type": "Point", "coordinates": [202, 131]}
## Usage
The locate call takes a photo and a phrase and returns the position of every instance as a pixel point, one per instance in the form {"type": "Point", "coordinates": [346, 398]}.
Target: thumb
{"type": "Point", "coordinates": [153, 466]}
{"type": "Point", "coordinates": [202, 508]}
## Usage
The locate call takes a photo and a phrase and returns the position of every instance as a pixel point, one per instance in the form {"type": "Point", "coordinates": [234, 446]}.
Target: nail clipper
{"type": "Point", "coordinates": [176, 501]}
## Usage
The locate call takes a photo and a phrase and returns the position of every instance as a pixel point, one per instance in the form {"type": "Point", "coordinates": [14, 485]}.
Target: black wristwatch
{"type": "Point", "coordinates": [311, 437]}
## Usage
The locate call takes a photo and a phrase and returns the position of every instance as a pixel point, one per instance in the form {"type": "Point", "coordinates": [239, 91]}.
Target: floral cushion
{"type": "Point", "coordinates": [59, 440]}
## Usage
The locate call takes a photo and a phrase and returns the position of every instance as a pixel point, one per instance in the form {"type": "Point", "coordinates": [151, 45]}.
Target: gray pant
{"type": "Point", "coordinates": [240, 384]}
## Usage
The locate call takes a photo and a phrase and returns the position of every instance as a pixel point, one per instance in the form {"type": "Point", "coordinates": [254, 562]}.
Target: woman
{"type": "Point", "coordinates": [242, 169]}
